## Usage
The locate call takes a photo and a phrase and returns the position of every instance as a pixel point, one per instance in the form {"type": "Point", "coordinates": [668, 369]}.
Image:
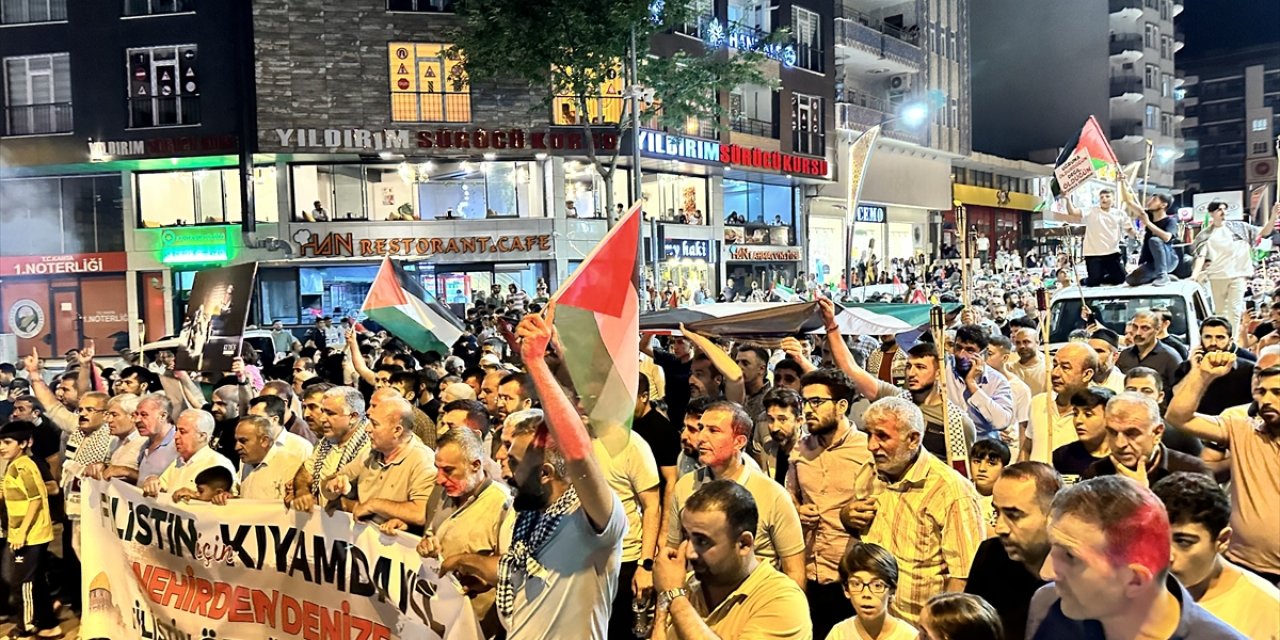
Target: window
{"type": "Point", "coordinates": [603, 108]}
{"type": "Point", "coordinates": [1259, 148]}
{"type": "Point", "coordinates": [673, 198]}
{"type": "Point", "coordinates": [421, 6]}
{"type": "Point", "coordinates": [809, 134]}
{"type": "Point", "coordinates": [157, 7]}
{"type": "Point", "coordinates": [37, 94]}
{"type": "Point", "coordinates": [204, 196]}
{"type": "Point", "coordinates": [1166, 10]}
{"type": "Point", "coordinates": [1150, 35]}
{"type": "Point", "coordinates": [1151, 77]}
{"type": "Point", "coordinates": [951, 45]}
{"type": "Point", "coordinates": [697, 14]}
{"type": "Point", "coordinates": [428, 84]}
{"type": "Point", "coordinates": [761, 205]}
{"type": "Point", "coordinates": [1153, 117]}
{"type": "Point", "coordinates": [750, 13]}
{"type": "Point", "coordinates": [27, 11]}
{"type": "Point", "coordinates": [806, 28]}
{"type": "Point", "coordinates": [1166, 85]}
{"type": "Point", "coordinates": [164, 87]}
{"type": "Point", "coordinates": [61, 215]}
{"type": "Point", "coordinates": [955, 113]}
{"type": "Point", "coordinates": [1166, 124]}
{"type": "Point", "coordinates": [1258, 124]}
{"type": "Point", "coordinates": [751, 110]}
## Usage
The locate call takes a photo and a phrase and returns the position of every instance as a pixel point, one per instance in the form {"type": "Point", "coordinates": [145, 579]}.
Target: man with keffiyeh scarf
{"type": "Point", "coordinates": [557, 576]}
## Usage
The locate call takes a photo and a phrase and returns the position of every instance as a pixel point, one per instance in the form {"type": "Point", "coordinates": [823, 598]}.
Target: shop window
{"type": "Point", "coordinates": [51, 216]}
{"type": "Point", "coordinates": [204, 196]}
{"type": "Point", "coordinates": [584, 191]}
{"type": "Point", "coordinates": [675, 198]}
{"type": "Point", "coordinates": [164, 87]}
{"type": "Point", "coordinates": [416, 191]}
{"type": "Point", "coordinates": [758, 213]}
{"type": "Point", "coordinates": [428, 83]}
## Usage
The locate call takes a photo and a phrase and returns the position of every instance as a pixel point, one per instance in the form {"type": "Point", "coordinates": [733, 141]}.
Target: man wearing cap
{"type": "Point", "coordinates": [1157, 258]}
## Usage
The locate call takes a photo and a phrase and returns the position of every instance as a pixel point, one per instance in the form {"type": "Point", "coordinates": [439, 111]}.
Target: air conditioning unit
{"type": "Point", "coordinates": [900, 82]}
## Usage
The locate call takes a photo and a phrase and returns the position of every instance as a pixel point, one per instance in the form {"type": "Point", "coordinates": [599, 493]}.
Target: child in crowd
{"type": "Point", "coordinates": [870, 577]}
{"type": "Point", "coordinates": [1089, 417]}
{"type": "Point", "coordinates": [959, 616]}
{"type": "Point", "coordinates": [211, 482]}
{"type": "Point", "coordinates": [987, 458]}
{"type": "Point", "coordinates": [28, 531]}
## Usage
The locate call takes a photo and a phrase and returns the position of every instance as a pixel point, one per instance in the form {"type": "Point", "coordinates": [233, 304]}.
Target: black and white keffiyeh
{"type": "Point", "coordinates": [532, 530]}
{"type": "Point", "coordinates": [353, 447]}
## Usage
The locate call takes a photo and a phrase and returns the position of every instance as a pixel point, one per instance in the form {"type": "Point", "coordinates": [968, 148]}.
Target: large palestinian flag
{"type": "Point", "coordinates": [400, 304]}
{"type": "Point", "coordinates": [597, 318]}
{"type": "Point", "coordinates": [1087, 156]}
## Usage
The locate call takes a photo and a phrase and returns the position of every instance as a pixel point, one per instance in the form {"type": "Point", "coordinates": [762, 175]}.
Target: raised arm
{"type": "Point", "coordinates": [734, 387]}
{"type": "Point", "coordinates": [1186, 398]}
{"type": "Point", "coordinates": [1269, 225]}
{"type": "Point", "coordinates": [866, 384]}
{"type": "Point", "coordinates": [564, 422]}
{"type": "Point", "coordinates": [357, 360]}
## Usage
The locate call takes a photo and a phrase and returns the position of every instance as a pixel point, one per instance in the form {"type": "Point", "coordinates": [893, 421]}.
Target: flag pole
{"type": "Point", "coordinates": [1146, 168]}
{"type": "Point", "coordinates": [1042, 305]}
{"type": "Point", "coordinates": [962, 230]}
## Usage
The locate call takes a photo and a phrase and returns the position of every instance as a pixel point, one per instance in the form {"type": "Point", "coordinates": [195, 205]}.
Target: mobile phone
{"type": "Point", "coordinates": [963, 366]}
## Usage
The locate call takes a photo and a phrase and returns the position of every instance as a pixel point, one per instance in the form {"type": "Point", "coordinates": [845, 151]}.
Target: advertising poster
{"type": "Point", "coordinates": [215, 318]}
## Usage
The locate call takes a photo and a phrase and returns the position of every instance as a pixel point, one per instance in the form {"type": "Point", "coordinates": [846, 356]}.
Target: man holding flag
{"type": "Point", "coordinates": [1103, 226]}
{"type": "Point", "coordinates": [1157, 258]}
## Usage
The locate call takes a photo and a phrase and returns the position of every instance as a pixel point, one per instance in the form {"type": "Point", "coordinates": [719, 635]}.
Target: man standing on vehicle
{"type": "Point", "coordinates": [1229, 248]}
{"type": "Point", "coordinates": [1103, 226]}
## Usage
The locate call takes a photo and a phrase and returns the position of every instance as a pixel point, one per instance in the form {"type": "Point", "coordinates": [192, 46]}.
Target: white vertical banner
{"type": "Point", "coordinates": [153, 568]}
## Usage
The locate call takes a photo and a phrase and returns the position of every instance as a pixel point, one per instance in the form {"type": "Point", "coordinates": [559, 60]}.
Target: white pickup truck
{"type": "Point", "coordinates": [1188, 301]}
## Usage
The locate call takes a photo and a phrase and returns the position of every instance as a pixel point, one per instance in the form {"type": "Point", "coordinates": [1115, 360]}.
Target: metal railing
{"type": "Point", "coordinates": [862, 99]}
{"type": "Point", "coordinates": [751, 126]}
{"type": "Point", "coordinates": [35, 119]}
{"type": "Point", "coordinates": [164, 112]}
{"type": "Point", "coordinates": [430, 106]}
{"type": "Point", "coordinates": [853, 26]}
{"type": "Point", "coordinates": [1122, 42]}
{"type": "Point", "coordinates": [600, 110]}
{"type": "Point", "coordinates": [1121, 85]}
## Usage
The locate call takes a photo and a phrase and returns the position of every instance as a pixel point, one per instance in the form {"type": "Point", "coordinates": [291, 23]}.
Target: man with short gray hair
{"type": "Point", "coordinates": [915, 506]}
{"type": "Point", "coordinates": [342, 423]}
{"type": "Point", "coordinates": [392, 480]}
{"type": "Point", "coordinates": [1134, 430]}
{"type": "Point", "coordinates": [191, 440]}
{"type": "Point", "coordinates": [1148, 350]}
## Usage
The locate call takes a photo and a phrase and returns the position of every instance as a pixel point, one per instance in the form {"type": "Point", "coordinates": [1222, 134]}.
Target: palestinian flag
{"type": "Point", "coordinates": [400, 304]}
{"type": "Point", "coordinates": [1087, 156]}
{"type": "Point", "coordinates": [597, 319]}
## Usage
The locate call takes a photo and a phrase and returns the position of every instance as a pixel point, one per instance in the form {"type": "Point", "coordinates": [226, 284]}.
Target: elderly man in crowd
{"type": "Point", "coordinates": [392, 480]}
{"type": "Point", "coordinates": [267, 468]}
{"type": "Point", "coordinates": [154, 425]}
{"type": "Point", "coordinates": [126, 442]}
{"type": "Point", "coordinates": [345, 439]}
{"type": "Point", "coordinates": [273, 409]}
{"type": "Point", "coordinates": [191, 442]}
{"type": "Point", "coordinates": [1073, 369]}
{"type": "Point", "coordinates": [1134, 431]}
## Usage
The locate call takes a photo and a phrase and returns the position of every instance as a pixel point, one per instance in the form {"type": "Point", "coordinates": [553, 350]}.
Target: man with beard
{"type": "Point", "coordinates": [1050, 425]}
{"type": "Point", "coordinates": [781, 421]}
{"type": "Point", "coordinates": [1254, 438]}
{"type": "Point", "coordinates": [1109, 563]}
{"type": "Point", "coordinates": [1106, 344]}
{"type": "Point", "coordinates": [915, 506]}
{"type": "Point", "coordinates": [732, 593]}
{"type": "Point", "coordinates": [715, 373]}
{"type": "Point", "coordinates": [225, 408]}
{"type": "Point", "coordinates": [1232, 389]}
{"type": "Point", "coordinates": [345, 438]}
{"type": "Point", "coordinates": [1006, 568]}
{"type": "Point", "coordinates": [515, 393]}
{"type": "Point", "coordinates": [820, 480]}
{"type": "Point", "coordinates": [569, 525]}
{"type": "Point", "coordinates": [1134, 429]}
{"type": "Point", "coordinates": [1030, 366]}
{"type": "Point", "coordinates": [724, 431]}
{"type": "Point", "coordinates": [1199, 513]}
{"type": "Point", "coordinates": [1149, 351]}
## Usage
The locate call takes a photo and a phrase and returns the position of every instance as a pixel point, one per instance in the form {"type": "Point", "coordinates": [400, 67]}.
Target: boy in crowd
{"type": "Point", "coordinates": [1090, 420]}
{"type": "Point", "coordinates": [28, 531]}
{"type": "Point", "coordinates": [987, 458]}
{"type": "Point", "coordinates": [213, 482]}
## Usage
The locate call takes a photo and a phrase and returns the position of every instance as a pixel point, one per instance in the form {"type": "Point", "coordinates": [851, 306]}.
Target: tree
{"type": "Point", "coordinates": [569, 47]}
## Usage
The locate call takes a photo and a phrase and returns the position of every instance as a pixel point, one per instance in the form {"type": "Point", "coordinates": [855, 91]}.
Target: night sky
{"type": "Point", "coordinates": [1217, 25]}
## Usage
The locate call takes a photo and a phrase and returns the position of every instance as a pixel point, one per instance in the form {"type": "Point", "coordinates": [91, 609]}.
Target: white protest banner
{"type": "Point", "coordinates": [1077, 170]}
{"type": "Point", "coordinates": [252, 569]}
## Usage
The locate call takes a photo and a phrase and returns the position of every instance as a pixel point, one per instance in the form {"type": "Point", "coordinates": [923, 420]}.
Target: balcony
{"type": "Point", "coordinates": [863, 41]}
{"type": "Point", "coordinates": [1125, 128]}
{"type": "Point", "coordinates": [1127, 46]}
{"type": "Point", "coordinates": [857, 111]}
{"type": "Point", "coordinates": [1126, 87]}
{"type": "Point", "coordinates": [164, 112]}
{"type": "Point", "coordinates": [37, 119]}
{"type": "Point", "coordinates": [751, 126]}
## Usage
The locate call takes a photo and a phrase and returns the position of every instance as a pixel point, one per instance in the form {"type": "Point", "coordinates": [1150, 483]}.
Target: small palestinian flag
{"type": "Point", "coordinates": [597, 318]}
{"type": "Point", "coordinates": [400, 304]}
{"type": "Point", "coordinates": [1087, 156]}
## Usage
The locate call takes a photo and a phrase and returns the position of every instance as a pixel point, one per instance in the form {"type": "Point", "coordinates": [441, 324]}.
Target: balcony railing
{"type": "Point", "coordinates": [1121, 42]}
{"type": "Point", "coordinates": [1125, 127]}
{"type": "Point", "coordinates": [1121, 85]}
{"type": "Point", "coordinates": [36, 119]}
{"type": "Point", "coordinates": [810, 58]}
{"type": "Point", "coordinates": [430, 106]}
{"type": "Point", "coordinates": [854, 28]}
{"type": "Point", "coordinates": [861, 99]}
{"type": "Point", "coordinates": [164, 112]}
{"type": "Point", "coordinates": [762, 128]}
{"type": "Point", "coordinates": [859, 117]}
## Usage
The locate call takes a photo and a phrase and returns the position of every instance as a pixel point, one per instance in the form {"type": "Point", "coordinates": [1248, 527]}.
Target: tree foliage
{"type": "Point", "coordinates": [566, 48]}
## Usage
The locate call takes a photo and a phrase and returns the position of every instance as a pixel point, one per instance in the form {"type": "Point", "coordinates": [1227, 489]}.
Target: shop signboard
{"type": "Point", "coordinates": [756, 158]}
{"type": "Point", "coordinates": [694, 249]}
{"type": "Point", "coordinates": [194, 245]}
{"type": "Point", "coordinates": [449, 140]}
{"type": "Point", "coordinates": [325, 242]}
{"type": "Point", "coordinates": [666, 145]}
{"type": "Point", "coordinates": [71, 263]}
{"type": "Point", "coordinates": [763, 253]}
{"type": "Point", "coordinates": [105, 150]}
{"type": "Point", "coordinates": [869, 213]}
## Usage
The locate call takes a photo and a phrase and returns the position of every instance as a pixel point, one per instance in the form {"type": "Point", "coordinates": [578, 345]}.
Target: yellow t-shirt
{"type": "Point", "coordinates": [23, 488]}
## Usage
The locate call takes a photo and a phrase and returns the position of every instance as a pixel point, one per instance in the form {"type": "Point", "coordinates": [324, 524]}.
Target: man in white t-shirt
{"type": "Point", "coordinates": [1229, 247]}
{"type": "Point", "coordinates": [1200, 513]}
{"type": "Point", "coordinates": [191, 440]}
{"type": "Point", "coordinates": [1073, 367]}
{"type": "Point", "coordinates": [1103, 227]}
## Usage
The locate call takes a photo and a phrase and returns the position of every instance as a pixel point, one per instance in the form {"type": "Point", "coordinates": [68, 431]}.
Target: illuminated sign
{"type": "Point", "coordinates": [763, 253]}
{"type": "Point", "coordinates": [461, 139]}
{"type": "Point", "coordinates": [745, 38]}
{"type": "Point", "coordinates": [201, 245]}
{"type": "Point", "coordinates": [104, 150]}
{"type": "Point", "coordinates": [700, 249]}
{"type": "Point", "coordinates": [70, 263]}
{"type": "Point", "coordinates": [671, 146]}
{"type": "Point", "coordinates": [774, 160]}
{"type": "Point", "coordinates": [868, 213]}
{"type": "Point", "coordinates": [340, 244]}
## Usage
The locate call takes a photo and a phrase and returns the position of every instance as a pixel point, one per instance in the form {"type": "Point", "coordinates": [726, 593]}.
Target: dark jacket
{"type": "Point", "coordinates": [1169, 462]}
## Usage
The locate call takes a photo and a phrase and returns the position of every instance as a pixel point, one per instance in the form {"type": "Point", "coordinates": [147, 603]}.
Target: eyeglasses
{"type": "Point", "coordinates": [878, 587]}
{"type": "Point", "coordinates": [814, 403]}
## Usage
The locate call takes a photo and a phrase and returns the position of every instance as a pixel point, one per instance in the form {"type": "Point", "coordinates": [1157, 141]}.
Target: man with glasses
{"type": "Point", "coordinates": [1228, 246]}
{"type": "Point", "coordinates": [820, 480]}
{"type": "Point", "coordinates": [515, 393]}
